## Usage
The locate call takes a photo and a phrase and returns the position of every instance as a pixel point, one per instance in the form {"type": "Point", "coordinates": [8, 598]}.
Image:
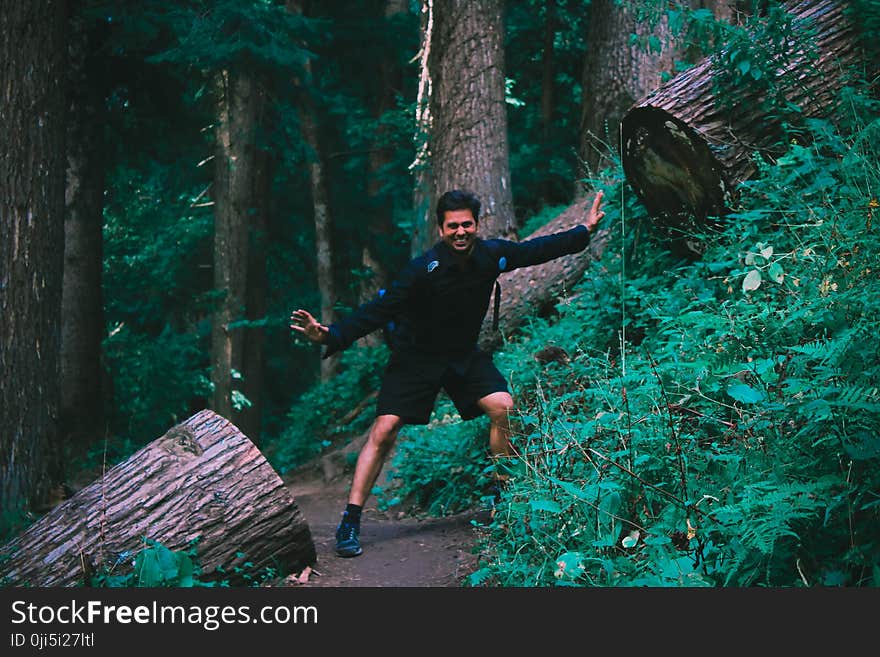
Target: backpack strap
{"type": "Point", "coordinates": [497, 306]}
{"type": "Point", "coordinates": [502, 265]}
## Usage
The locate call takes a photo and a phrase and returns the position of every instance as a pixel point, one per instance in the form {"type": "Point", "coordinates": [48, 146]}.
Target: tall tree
{"type": "Point", "coordinates": [32, 113]}
{"type": "Point", "coordinates": [468, 142]}
{"type": "Point", "coordinates": [423, 228]}
{"type": "Point", "coordinates": [380, 225]}
{"type": "Point", "coordinates": [626, 57]}
{"type": "Point", "coordinates": [239, 99]}
{"type": "Point", "coordinates": [548, 100]}
{"type": "Point", "coordinates": [310, 128]}
{"type": "Point", "coordinates": [249, 419]}
{"type": "Point", "coordinates": [82, 306]}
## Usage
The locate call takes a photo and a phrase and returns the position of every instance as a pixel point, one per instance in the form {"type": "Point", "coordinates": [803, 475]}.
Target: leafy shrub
{"type": "Point", "coordinates": [442, 467]}
{"type": "Point", "coordinates": [153, 566]}
{"type": "Point", "coordinates": [313, 421]}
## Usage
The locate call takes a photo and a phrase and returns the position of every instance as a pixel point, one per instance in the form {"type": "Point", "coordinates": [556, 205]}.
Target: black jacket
{"type": "Point", "coordinates": [438, 304]}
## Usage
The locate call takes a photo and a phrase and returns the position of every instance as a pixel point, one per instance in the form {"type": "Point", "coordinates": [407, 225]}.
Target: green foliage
{"type": "Point", "coordinates": [212, 34]}
{"type": "Point", "coordinates": [545, 215]}
{"type": "Point", "coordinates": [543, 157]}
{"type": "Point", "coordinates": [441, 467]}
{"type": "Point", "coordinates": [153, 566]}
{"type": "Point", "coordinates": [754, 56]}
{"type": "Point", "coordinates": [717, 422]}
{"type": "Point", "coordinates": [313, 420]}
{"type": "Point", "coordinates": [156, 344]}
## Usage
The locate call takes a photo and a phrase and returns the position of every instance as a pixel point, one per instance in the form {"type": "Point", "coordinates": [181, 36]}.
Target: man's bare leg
{"type": "Point", "coordinates": [498, 406]}
{"type": "Point", "coordinates": [372, 456]}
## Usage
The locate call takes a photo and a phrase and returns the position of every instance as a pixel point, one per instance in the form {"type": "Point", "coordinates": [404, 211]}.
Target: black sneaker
{"type": "Point", "coordinates": [347, 542]}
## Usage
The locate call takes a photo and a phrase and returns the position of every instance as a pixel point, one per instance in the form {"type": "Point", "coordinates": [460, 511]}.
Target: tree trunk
{"type": "Point", "coordinates": [249, 419]}
{"type": "Point", "coordinates": [424, 227]}
{"type": "Point", "coordinates": [468, 147]}
{"type": "Point", "coordinates": [82, 306]}
{"type": "Point", "coordinates": [617, 72]}
{"type": "Point", "coordinates": [32, 115]}
{"type": "Point", "coordinates": [529, 290]}
{"type": "Point", "coordinates": [548, 86]}
{"type": "Point", "coordinates": [684, 151]}
{"type": "Point", "coordinates": [239, 99]}
{"type": "Point", "coordinates": [202, 481]}
{"type": "Point", "coordinates": [323, 227]}
{"type": "Point", "coordinates": [308, 118]}
{"type": "Point", "coordinates": [380, 224]}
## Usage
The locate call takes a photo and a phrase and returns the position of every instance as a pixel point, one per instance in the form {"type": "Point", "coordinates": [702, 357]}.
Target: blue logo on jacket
{"type": "Point", "coordinates": [433, 265]}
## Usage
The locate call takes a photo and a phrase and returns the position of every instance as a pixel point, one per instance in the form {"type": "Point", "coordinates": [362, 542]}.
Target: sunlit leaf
{"type": "Point", "coordinates": [744, 393]}
{"type": "Point", "coordinates": [752, 281]}
{"type": "Point", "coordinates": [631, 539]}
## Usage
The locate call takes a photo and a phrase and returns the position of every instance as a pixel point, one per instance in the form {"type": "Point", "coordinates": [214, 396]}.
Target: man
{"type": "Point", "coordinates": [437, 304]}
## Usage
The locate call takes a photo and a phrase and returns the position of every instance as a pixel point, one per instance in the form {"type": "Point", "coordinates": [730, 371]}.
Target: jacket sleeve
{"type": "Point", "coordinates": [542, 249]}
{"type": "Point", "coordinates": [376, 313]}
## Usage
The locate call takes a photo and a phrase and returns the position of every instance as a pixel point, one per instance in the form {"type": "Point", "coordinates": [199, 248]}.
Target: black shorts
{"type": "Point", "coordinates": [412, 381]}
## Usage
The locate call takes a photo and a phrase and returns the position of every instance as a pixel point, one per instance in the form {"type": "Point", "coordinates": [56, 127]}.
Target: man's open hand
{"type": "Point", "coordinates": [596, 212]}
{"type": "Point", "coordinates": [304, 323]}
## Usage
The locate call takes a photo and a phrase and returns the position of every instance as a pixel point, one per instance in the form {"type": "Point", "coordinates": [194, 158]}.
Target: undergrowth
{"type": "Point", "coordinates": [716, 421]}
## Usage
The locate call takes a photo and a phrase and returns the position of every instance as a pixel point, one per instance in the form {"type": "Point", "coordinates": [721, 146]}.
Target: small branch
{"type": "Point", "coordinates": [678, 450]}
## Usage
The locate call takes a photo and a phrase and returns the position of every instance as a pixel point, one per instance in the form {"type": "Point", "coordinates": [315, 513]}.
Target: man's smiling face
{"type": "Point", "coordinates": [459, 230]}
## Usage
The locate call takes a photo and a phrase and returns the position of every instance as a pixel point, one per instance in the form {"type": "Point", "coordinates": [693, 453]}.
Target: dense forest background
{"type": "Point", "coordinates": [198, 169]}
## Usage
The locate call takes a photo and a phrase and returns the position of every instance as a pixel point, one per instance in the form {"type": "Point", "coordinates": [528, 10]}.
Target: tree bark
{"type": "Point", "coordinates": [684, 152]}
{"type": "Point", "coordinates": [82, 305]}
{"type": "Point", "coordinates": [203, 480]}
{"type": "Point", "coordinates": [239, 99]}
{"type": "Point", "coordinates": [310, 129]}
{"type": "Point", "coordinates": [424, 230]}
{"type": "Point", "coordinates": [249, 419]}
{"type": "Point", "coordinates": [380, 224]}
{"type": "Point", "coordinates": [468, 146]}
{"type": "Point", "coordinates": [32, 114]}
{"type": "Point", "coordinates": [618, 71]}
{"type": "Point", "coordinates": [323, 225]}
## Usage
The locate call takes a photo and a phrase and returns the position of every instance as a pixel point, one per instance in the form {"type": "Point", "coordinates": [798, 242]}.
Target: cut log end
{"type": "Point", "coordinates": [671, 168]}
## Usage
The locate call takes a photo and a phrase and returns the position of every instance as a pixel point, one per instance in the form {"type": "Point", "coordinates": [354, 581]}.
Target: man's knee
{"type": "Point", "coordinates": [497, 406]}
{"type": "Point", "coordinates": [384, 431]}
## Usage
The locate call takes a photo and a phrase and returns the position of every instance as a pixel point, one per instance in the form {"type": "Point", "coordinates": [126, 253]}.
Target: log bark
{"type": "Point", "coordinates": [684, 152]}
{"type": "Point", "coordinates": [202, 480]}
{"type": "Point", "coordinates": [524, 292]}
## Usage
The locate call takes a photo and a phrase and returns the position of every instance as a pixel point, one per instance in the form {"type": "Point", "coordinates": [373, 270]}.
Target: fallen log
{"type": "Point", "coordinates": [684, 151]}
{"type": "Point", "coordinates": [202, 481]}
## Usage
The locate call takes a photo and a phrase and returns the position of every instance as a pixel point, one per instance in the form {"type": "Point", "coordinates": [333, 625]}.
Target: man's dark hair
{"type": "Point", "coordinates": [458, 199]}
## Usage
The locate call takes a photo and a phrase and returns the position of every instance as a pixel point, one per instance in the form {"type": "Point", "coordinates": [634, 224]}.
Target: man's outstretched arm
{"type": "Point", "coordinates": [364, 319]}
{"type": "Point", "coordinates": [542, 249]}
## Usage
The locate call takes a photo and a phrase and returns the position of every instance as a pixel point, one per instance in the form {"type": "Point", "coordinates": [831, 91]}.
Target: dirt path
{"type": "Point", "coordinates": [398, 551]}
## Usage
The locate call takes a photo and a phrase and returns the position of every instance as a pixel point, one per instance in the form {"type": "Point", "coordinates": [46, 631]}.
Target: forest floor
{"type": "Point", "coordinates": [400, 549]}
